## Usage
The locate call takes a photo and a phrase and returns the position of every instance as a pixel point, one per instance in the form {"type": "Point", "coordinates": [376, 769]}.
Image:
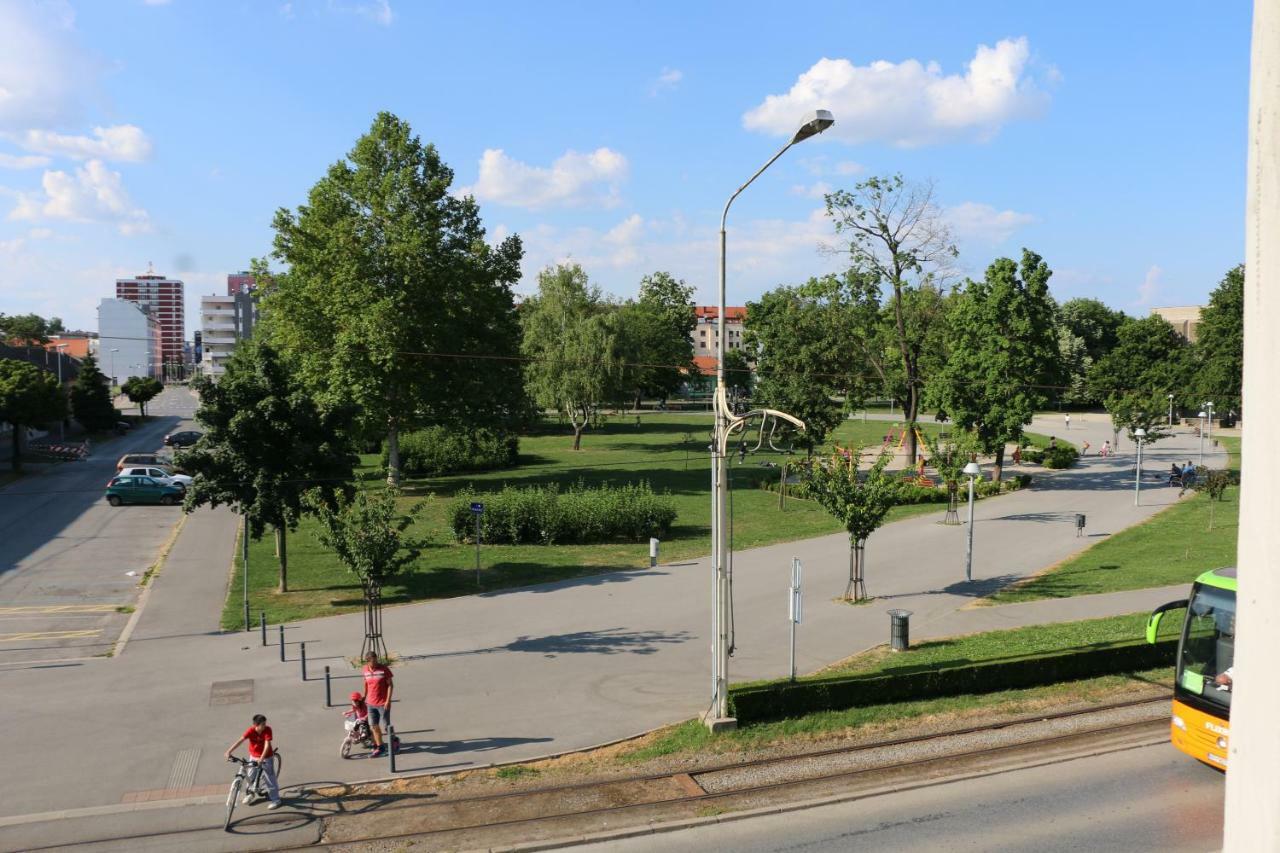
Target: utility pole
{"type": "Point", "coordinates": [1253, 784]}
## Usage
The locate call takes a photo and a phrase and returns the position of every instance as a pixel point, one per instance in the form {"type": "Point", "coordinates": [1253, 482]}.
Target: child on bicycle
{"type": "Point", "coordinates": [359, 710]}
{"type": "Point", "coordinates": [260, 748]}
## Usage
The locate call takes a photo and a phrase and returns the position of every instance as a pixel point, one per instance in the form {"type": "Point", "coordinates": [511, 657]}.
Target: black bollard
{"type": "Point", "coordinates": [281, 644]}
{"type": "Point", "coordinates": [262, 620]}
{"type": "Point", "coordinates": [328, 696]}
{"type": "Point", "coordinates": [302, 647]}
{"type": "Point", "coordinates": [391, 744]}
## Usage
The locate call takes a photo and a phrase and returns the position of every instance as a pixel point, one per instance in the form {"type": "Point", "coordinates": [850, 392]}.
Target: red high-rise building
{"type": "Point", "coordinates": [162, 298]}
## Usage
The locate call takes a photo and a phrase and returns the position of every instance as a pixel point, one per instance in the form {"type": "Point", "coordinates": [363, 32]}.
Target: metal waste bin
{"type": "Point", "coordinates": [1079, 523]}
{"type": "Point", "coordinates": [899, 630]}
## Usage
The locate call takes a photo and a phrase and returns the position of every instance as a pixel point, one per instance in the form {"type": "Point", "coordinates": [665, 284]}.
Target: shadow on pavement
{"type": "Point", "coordinates": [611, 641]}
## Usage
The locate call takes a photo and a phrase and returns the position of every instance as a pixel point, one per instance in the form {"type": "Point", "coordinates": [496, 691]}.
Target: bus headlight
{"type": "Point", "coordinates": [1179, 723]}
{"type": "Point", "coordinates": [1222, 743]}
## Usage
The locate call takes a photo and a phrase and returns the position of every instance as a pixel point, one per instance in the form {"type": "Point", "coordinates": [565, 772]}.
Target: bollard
{"type": "Point", "coordinates": [302, 648]}
{"type": "Point", "coordinates": [281, 644]}
{"type": "Point", "coordinates": [262, 620]}
{"type": "Point", "coordinates": [248, 626]}
{"type": "Point", "coordinates": [328, 696]}
{"type": "Point", "coordinates": [653, 552]}
{"type": "Point", "coordinates": [899, 633]}
{"type": "Point", "coordinates": [391, 744]}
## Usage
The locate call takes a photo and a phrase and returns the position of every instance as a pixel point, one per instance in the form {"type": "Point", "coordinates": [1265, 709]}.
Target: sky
{"type": "Point", "coordinates": [1108, 137]}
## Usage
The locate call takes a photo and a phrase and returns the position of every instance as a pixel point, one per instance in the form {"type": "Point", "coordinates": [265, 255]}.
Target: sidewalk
{"type": "Point", "coordinates": [522, 673]}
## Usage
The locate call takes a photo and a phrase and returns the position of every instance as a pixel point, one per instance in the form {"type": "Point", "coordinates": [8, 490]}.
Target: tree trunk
{"type": "Point", "coordinates": [913, 400]}
{"type": "Point", "coordinates": [393, 452]}
{"type": "Point", "coordinates": [373, 641]}
{"type": "Point", "coordinates": [639, 400]}
{"type": "Point", "coordinates": [998, 469]}
{"type": "Point", "coordinates": [856, 590]}
{"type": "Point", "coordinates": [283, 553]}
{"type": "Point", "coordinates": [16, 459]}
{"type": "Point", "coordinates": [577, 435]}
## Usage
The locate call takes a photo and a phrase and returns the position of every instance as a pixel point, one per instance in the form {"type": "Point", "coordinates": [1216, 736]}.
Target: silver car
{"type": "Point", "coordinates": [161, 475]}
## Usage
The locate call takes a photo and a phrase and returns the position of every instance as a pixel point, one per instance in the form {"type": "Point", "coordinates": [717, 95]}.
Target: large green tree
{"type": "Point", "coordinates": [655, 337]}
{"type": "Point", "coordinates": [1093, 322]}
{"type": "Point", "coordinates": [573, 361]}
{"type": "Point", "coordinates": [899, 242]}
{"type": "Point", "coordinates": [142, 390]}
{"type": "Point", "coordinates": [29, 397]}
{"type": "Point", "coordinates": [1002, 353]}
{"type": "Point", "coordinates": [267, 443]}
{"type": "Point", "coordinates": [393, 299]}
{"type": "Point", "coordinates": [91, 398]}
{"type": "Point", "coordinates": [28, 328]}
{"type": "Point", "coordinates": [1219, 347]}
{"type": "Point", "coordinates": [1149, 361]}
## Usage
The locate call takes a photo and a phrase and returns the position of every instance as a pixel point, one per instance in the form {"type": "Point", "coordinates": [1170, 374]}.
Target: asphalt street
{"type": "Point", "coordinates": [71, 564]}
{"type": "Point", "coordinates": [1148, 798]}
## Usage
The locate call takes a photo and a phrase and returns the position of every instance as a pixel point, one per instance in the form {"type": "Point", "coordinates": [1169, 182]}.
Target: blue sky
{"type": "Point", "coordinates": [1108, 137]}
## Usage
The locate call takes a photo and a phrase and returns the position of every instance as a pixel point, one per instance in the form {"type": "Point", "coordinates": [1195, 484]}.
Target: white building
{"type": "Point", "coordinates": [129, 341]}
{"type": "Point", "coordinates": [217, 333]}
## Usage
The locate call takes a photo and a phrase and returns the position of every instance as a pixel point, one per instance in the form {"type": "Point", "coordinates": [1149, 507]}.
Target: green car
{"type": "Point", "coordinates": [142, 490]}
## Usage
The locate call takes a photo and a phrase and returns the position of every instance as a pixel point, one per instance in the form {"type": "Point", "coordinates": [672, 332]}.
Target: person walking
{"type": "Point", "coordinates": [1106, 448]}
{"type": "Point", "coordinates": [377, 695]}
{"type": "Point", "coordinates": [261, 747]}
{"type": "Point", "coordinates": [1068, 422]}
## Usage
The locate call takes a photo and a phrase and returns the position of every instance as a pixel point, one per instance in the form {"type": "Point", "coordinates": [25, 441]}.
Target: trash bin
{"type": "Point", "coordinates": [899, 630]}
{"type": "Point", "coordinates": [1079, 523]}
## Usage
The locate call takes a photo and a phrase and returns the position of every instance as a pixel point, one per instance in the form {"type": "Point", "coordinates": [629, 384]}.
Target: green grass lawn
{"type": "Point", "coordinates": [954, 651]}
{"type": "Point", "coordinates": [668, 450]}
{"type": "Point", "coordinates": [1173, 546]}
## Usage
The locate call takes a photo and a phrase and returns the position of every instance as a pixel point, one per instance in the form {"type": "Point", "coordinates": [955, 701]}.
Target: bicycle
{"type": "Point", "coordinates": [249, 775]}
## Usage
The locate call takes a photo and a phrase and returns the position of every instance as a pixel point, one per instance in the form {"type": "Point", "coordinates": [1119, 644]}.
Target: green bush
{"type": "Point", "coordinates": [544, 515]}
{"type": "Point", "coordinates": [1062, 456]}
{"type": "Point", "coordinates": [436, 451]}
{"type": "Point", "coordinates": [782, 699]}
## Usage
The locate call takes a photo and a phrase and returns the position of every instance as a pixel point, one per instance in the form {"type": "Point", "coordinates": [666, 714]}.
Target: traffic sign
{"type": "Point", "coordinates": [477, 508]}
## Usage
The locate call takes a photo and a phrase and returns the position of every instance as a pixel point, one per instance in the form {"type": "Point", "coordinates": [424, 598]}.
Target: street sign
{"type": "Point", "coordinates": [477, 508]}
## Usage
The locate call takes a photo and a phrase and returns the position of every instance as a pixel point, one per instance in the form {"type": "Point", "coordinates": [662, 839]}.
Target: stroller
{"type": "Point", "coordinates": [358, 731]}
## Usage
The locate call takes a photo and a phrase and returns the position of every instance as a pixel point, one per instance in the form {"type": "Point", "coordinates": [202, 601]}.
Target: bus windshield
{"type": "Point", "coordinates": [1208, 646]}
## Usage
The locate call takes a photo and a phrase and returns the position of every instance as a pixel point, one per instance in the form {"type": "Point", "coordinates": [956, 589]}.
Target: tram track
{"type": "Point", "coordinates": [557, 814]}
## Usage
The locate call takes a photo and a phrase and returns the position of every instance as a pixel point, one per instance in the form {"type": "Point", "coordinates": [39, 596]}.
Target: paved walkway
{"type": "Point", "coordinates": [526, 672]}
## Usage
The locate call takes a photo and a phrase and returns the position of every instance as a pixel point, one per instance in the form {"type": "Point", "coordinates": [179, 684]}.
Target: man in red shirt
{"type": "Point", "coordinates": [260, 748]}
{"type": "Point", "coordinates": [377, 694]}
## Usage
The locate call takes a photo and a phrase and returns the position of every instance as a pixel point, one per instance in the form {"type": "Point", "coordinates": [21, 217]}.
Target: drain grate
{"type": "Point", "coordinates": [183, 773]}
{"type": "Point", "coordinates": [231, 692]}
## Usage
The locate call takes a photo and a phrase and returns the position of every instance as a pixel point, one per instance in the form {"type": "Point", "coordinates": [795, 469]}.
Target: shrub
{"type": "Point", "coordinates": [435, 451]}
{"type": "Point", "coordinates": [544, 515]}
{"type": "Point", "coordinates": [1062, 456]}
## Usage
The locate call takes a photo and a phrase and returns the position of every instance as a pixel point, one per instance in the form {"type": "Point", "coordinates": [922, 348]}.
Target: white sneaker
{"type": "Point", "coordinates": [274, 805]}
{"type": "Point", "coordinates": [246, 799]}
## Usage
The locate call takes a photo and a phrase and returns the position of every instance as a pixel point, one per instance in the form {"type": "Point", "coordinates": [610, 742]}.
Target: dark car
{"type": "Point", "coordinates": [182, 439]}
{"type": "Point", "coordinates": [142, 490]}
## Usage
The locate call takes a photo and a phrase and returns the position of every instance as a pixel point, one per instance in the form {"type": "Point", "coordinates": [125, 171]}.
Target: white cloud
{"type": "Point", "coordinates": [669, 78]}
{"type": "Point", "coordinates": [817, 189]}
{"type": "Point", "coordinates": [44, 76]}
{"type": "Point", "coordinates": [1150, 286]}
{"type": "Point", "coordinates": [378, 11]}
{"type": "Point", "coordinates": [119, 142]}
{"type": "Point", "coordinates": [974, 221]}
{"type": "Point", "coordinates": [848, 167]}
{"type": "Point", "coordinates": [573, 180]}
{"type": "Point", "coordinates": [22, 161]}
{"type": "Point", "coordinates": [93, 194]}
{"type": "Point", "coordinates": [909, 103]}
{"type": "Point", "coordinates": [155, 2]}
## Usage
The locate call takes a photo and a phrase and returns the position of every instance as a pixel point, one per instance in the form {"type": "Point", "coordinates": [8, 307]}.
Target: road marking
{"type": "Point", "coordinates": [46, 635]}
{"type": "Point", "coordinates": [61, 608]}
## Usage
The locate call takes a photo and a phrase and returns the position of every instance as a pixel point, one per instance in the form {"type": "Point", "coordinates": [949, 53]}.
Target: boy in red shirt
{"type": "Point", "coordinates": [260, 748]}
{"type": "Point", "coordinates": [377, 694]}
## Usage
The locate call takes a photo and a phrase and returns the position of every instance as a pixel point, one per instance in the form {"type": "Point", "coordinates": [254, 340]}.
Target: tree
{"type": "Point", "coordinates": [1002, 352]}
{"type": "Point", "coordinates": [267, 442]}
{"type": "Point", "coordinates": [369, 535]}
{"type": "Point", "coordinates": [1094, 323]}
{"type": "Point", "coordinates": [1149, 361]}
{"type": "Point", "coordinates": [31, 329]}
{"type": "Point", "coordinates": [141, 390]}
{"type": "Point", "coordinates": [948, 457]}
{"type": "Point", "coordinates": [29, 397]}
{"type": "Point", "coordinates": [570, 345]}
{"type": "Point", "coordinates": [738, 377]}
{"type": "Point", "coordinates": [898, 241]}
{"type": "Point", "coordinates": [860, 504]}
{"type": "Point", "coordinates": [1074, 361]}
{"type": "Point", "coordinates": [393, 300]}
{"type": "Point", "coordinates": [656, 337]}
{"type": "Point", "coordinates": [91, 398]}
{"type": "Point", "coordinates": [1219, 347]}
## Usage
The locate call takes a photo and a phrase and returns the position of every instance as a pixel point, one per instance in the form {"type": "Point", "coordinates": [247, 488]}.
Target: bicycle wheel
{"type": "Point", "coordinates": [346, 748]}
{"type": "Point", "coordinates": [231, 800]}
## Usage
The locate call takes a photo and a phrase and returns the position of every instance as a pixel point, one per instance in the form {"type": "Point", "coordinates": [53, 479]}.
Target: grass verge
{"type": "Point", "coordinates": [1171, 547]}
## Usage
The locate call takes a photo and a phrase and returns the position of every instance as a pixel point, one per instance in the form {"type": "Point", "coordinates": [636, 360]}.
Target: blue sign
{"type": "Point", "coordinates": [477, 508]}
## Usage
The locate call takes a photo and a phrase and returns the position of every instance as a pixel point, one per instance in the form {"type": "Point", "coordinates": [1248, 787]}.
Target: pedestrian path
{"type": "Point", "coordinates": [520, 673]}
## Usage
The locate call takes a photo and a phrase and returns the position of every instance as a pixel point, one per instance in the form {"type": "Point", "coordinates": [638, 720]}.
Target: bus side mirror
{"type": "Point", "coordinates": [1153, 621]}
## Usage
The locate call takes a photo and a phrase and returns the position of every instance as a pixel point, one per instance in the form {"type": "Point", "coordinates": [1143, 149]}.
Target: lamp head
{"type": "Point", "coordinates": [1202, 414]}
{"type": "Point", "coordinates": [813, 124]}
{"type": "Point", "coordinates": [1140, 432]}
{"type": "Point", "coordinates": [972, 469]}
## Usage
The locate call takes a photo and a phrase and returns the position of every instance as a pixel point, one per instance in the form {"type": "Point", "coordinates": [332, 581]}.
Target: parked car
{"type": "Point", "coordinates": [185, 438]}
{"type": "Point", "coordinates": [142, 490]}
{"type": "Point", "coordinates": [164, 475]}
{"type": "Point", "coordinates": [139, 458]}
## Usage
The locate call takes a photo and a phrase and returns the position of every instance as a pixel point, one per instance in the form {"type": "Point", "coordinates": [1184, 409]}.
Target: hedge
{"type": "Point", "coordinates": [782, 699]}
{"type": "Point", "coordinates": [436, 451]}
{"type": "Point", "coordinates": [1062, 456]}
{"type": "Point", "coordinates": [544, 515]}
{"type": "Point", "coordinates": [909, 492]}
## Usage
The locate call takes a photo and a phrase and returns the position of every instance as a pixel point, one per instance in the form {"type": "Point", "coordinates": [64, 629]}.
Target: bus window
{"type": "Point", "coordinates": [1208, 648]}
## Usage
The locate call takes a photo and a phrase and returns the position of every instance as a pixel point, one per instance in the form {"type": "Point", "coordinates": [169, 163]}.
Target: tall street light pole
{"type": "Point", "coordinates": [1170, 410]}
{"type": "Point", "coordinates": [1208, 407]}
{"type": "Point", "coordinates": [114, 385]}
{"type": "Point", "coordinates": [1138, 435]}
{"type": "Point", "coordinates": [62, 422]}
{"type": "Point", "coordinates": [1202, 416]}
{"type": "Point", "coordinates": [972, 470]}
{"type": "Point", "coordinates": [717, 718]}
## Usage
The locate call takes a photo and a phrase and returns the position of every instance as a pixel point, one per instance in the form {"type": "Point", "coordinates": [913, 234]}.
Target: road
{"type": "Point", "coordinates": [70, 564]}
{"type": "Point", "coordinates": [1148, 798]}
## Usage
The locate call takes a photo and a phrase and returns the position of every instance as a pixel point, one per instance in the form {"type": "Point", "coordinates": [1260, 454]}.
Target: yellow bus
{"type": "Point", "coordinates": [1203, 680]}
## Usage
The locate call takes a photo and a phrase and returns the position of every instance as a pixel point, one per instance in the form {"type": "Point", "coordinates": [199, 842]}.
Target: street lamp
{"type": "Point", "coordinates": [114, 350]}
{"type": "Point", "coordinates": [1170, 409]}
{"type": "Point", "coordinates": [718, 715]}
{"type": "Point", "coordinates": [972, 471]}
{"type": "Point", "coordinates": [1202, 417]}
{"type": "Point", "coordinates": [62, 422]}
{"type": "Point", "coordinates": [1209, 408]}
{"type": "Point", "coordinates": [1138, 435]}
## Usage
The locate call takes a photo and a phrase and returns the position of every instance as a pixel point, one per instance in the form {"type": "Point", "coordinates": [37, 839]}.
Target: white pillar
{"type": "Point", "coordinates": [1253, 777]}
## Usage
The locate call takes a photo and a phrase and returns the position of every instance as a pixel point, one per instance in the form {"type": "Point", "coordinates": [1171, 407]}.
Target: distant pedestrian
{"type": "Point", "coordinates": [1106, 448]}
{"type": "Point", "coordinates": [1068, 422]}
{"type": "Point", "coordinates": [1017, 454]}
{"type": "Point", "coordinates": [1053, 443]}
{"type": "Point", "coordinates": [377, 695]}
{"type": "Point", "coordinates": [1084, 448]}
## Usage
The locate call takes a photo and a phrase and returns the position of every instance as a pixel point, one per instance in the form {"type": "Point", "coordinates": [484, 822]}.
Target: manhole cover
{"type": "Point", "coordinates": [231, 692]}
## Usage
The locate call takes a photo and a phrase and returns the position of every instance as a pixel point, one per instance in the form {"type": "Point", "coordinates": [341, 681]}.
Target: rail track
{"type": "Point", "coordinates": [448, 819]}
